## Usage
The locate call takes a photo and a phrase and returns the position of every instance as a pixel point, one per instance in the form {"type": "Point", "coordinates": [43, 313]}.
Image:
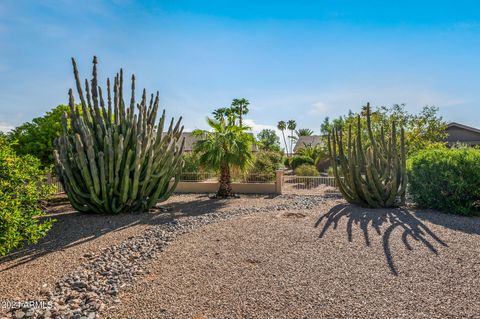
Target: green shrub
{"type": "Point", "coordinates": [446, 179]}
{"type": "Point", "coordinates": [193, 170]}
{"type": "Point", "coordinates": [268, 140]}
{"type": "Point", "coordinates": [264, 166]}
{"type": "Point", "coordinates": [37, 137]}
{"type": "Point", "coordinates": [191, 163]}
{"type": "Point", "coordinates": [314, 152]}
{"type": "Point", "coordinates": [298, 160]}
{"type": "Point", "coordinates": [306, 170]}
{"type": "Point", "coordinates": [21, 192]}
{"type": "Point", "coordinates": [286, 162]}
{"type": "Point", "coordinates": [330, 171]}
{"type": "Point", "coordinates": [275, 157]}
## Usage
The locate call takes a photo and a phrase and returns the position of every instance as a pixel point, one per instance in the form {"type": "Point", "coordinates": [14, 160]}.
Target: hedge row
{"type": "Point", "coordinates": [446, 179]}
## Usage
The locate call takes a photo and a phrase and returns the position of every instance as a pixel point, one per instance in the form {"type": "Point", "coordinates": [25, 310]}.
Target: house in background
{"type": "Point", "coordinates": [456, 133]}
{"type": "Point", "coordinates": [459, 133]}
{"type": "Point", "coordinates": [190, 141]}
{"type": "Point", "coordinates": [306, 141]}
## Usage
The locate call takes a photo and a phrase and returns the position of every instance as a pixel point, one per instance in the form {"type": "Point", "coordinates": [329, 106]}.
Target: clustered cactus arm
{"type": "Point", "coordinates": [370, 174]}
{"type": "Point", "coordinates": [113, 160]}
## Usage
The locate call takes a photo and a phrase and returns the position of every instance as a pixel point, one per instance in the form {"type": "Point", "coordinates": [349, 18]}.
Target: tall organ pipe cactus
{"type": "Point", "coordinates": [369, 173]}
{"type": "Point", "coordinates": [112, 158]}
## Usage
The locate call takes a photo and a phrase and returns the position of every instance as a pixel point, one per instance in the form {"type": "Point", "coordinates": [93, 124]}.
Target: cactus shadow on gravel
{"type": "Point", "coordinates": [384, 222]}
{"type": "Point", "coordinates": [73, 228]}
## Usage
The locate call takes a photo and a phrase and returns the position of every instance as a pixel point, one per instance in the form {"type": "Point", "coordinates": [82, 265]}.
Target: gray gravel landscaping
{"type": "Point", "coordinates": [329, 261]}
{"type": "Point", "coordinates": [258, 257]}
{"type": "Point", "coordinates": [85, 292]}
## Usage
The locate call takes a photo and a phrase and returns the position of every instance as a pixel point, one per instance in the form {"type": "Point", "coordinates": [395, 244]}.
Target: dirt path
{"type": "Point", "coordinates": [336, 261]}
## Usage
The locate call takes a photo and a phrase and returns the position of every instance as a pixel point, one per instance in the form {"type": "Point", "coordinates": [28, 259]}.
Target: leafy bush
{"type": "Point", "coordinates": [268, 140]}
{"type": "Point", "coordinates": [318, 153]}
{"type": "Point", "coordinates": [275, 157]}
{"type": "Point", "coordinates": [298, 160]}
{"type": "Point", "coordinates": [446, 179]}
{"type": "Point", "coordinates": [421, 130]}
{"type": "Point", "coordinates": [21, 192]}
{"type": "Point", "coordinates": [36, 137]}
{"type": "Point", "coordinates": [330, 171]}
{"type": "Point", "coordinates": [264, 166]}
{"type": "Point", "coordinates": [306, 170]}
{"type": "Point", "coordinates": [193, 170]}
{"type": "Point", "coordinates": [314, 152]}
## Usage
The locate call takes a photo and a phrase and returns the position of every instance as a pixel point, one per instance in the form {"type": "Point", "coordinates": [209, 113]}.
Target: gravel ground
{"type": "Point", "coordinates": [332, 261]}
{"type": "Point", "coordinates": [254, 257]}
{"type": "Point", "coordinates": [77, 243]}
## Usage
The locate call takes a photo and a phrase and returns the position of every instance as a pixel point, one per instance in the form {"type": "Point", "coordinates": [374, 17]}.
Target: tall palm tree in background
{"type": "Point", "coordinates": [221, 113]}
{"type": "Point", "coordinates": [291, 125]}
{"type": "Point", "coordinates": [240, 106]}
{"type": "Point", "coordinates": [227, 146]}
{"type": "Point", "coordinates": [282, 126]}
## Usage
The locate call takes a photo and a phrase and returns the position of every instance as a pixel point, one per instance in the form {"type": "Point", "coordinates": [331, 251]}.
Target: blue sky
{"type": "Point", "coordinates": [300, 60]}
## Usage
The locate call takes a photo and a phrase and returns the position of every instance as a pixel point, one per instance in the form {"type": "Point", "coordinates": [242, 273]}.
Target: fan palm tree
{"type": "Point", "coordinates": [221, 113]}
{"type": "Point", "coordinates": [282, 126]}
{"type": "Point", "coordinates": [240, 106]}
{"type": "Point", "coordinates": [225, 147]}
{"type": "Point", "coordinates": [291, 125]}
{"type": "Point", "coordinates": [304, 132]}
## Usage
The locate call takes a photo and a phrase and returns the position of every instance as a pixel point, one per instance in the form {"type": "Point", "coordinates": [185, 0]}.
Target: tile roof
{"type": "Point", "coordinates": [311, 140]}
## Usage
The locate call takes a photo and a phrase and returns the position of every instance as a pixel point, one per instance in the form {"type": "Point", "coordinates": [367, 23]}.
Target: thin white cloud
{"type": "Point", "coordinates": [257, 127]}
{"type": "Point", "coordinates": [6, 127]}
{"type": "Point", "coordinates": [319, 108]}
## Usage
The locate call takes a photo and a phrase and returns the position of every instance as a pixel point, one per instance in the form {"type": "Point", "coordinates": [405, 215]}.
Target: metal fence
{"type": "Point", "coordinates": [51, 180]}
{"type": "Point", "coordinates": [293, 184]}
{"type": "Point", "coordinates": [198, 177]}
{"type": "Point", "coordinates": [238, 178]}
{"type": "Point", "coordinates": [255, 178]}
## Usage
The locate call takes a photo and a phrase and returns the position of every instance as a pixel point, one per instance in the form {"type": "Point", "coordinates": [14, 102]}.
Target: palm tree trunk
{"type": "Point", "coordinates": [285, 142]}
{"type": "Point", "coordinates": [225, 188]}
{"type": "Point", "coordinates": [291, 142]}
{"type": "Point", "coordinates": [241, 112]}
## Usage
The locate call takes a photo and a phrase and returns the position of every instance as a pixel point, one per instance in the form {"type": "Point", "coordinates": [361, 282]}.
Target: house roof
{"type": "Point", "coordinates": [311, 140]}
{"type": "Point", "coordinates": [462, 126]}
{"type": "Point", "coordinates": [460, 133]}
{"type": "Point", "coordinates": [190, 141]}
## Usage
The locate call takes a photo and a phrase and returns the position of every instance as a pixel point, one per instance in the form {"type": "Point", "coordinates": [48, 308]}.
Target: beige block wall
{"type": "Point", "coordinates": [241, 188]}
{"type": "Point", "coordinates": [251, 188]}
{"type": "Point", "coordinates": [196, 187]}
{"type": "Point", "coordinates": [212, 187]}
